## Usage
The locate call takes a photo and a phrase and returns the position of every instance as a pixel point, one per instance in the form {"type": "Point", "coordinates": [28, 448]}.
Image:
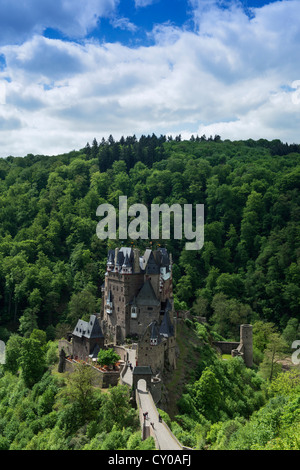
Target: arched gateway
{"type": "Point", "coordinates": [142, 372]}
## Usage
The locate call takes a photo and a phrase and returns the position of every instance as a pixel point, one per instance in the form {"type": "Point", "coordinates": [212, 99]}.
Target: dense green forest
{"type": "Point", "coordinates": [53, 264]}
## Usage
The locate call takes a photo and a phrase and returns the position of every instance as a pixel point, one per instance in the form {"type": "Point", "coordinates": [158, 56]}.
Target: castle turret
{"type": "Point", "coordinates": [110, 261]}
{"type": "Point", "coordinates": [127, 266]}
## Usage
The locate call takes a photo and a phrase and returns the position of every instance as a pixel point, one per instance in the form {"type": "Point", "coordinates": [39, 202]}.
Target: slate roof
{"type": "Point", "coordinates": [149, 264]}
{"type": "Point", "coordinates": [140, 370]}
{"type": "Point", "coordinates": [162, 258]}
{"type": "Point", "coordinates": [95, 352]}
{"type": "Point", "coordinates": [154, 332]}
{"type": "Point", "coordinates": [111, 257]}
{"type": "Point", "coordinates": [166, 327]}
{"type": "Point", "coordinates": [146, 296]}
{"type": "Point", "coordinates": [127, 262]}
{"type": "Point", "coordinates": [125, 256]}
{"type": "Point", "coordinates": [90, 329]}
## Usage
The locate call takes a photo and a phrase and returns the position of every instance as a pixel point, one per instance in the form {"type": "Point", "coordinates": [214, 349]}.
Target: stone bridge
{"type": "Point", "coordinates": [140, 379]}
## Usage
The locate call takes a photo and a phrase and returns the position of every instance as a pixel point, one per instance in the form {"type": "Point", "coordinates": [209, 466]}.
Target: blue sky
{"type": "Point", "coordinates": [72, 70]}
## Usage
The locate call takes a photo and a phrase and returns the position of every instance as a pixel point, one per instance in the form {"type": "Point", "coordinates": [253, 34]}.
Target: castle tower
{"type": "Point", "coordinates": [247, 343]}
{"type": "Point", "coordinates": [136, 292]}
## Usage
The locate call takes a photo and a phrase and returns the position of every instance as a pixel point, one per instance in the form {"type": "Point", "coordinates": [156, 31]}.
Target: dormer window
{"type": "Point", "coordinates": [153, 341]}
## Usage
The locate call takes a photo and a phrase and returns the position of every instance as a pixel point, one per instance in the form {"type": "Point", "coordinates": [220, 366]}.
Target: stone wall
{"type": "Point", "coordinates": [156, 389]}
{"type": "Point", "coordinates": [102, 379]}
{"type": "Point", "coordinates": [151, 355]}
{"type": "Point", "coordinates": [244, 348]}
{"type": "Point", "coordinates": [120, 350]}
{"type": "Point", "coordinates": [123, 287]}
{"type": "Point", "coordinates": [225, 346]}
{"type": "Point", "coordinates": [66, 346]}
{"type": "Point", "coordinates": [145, 316]}
{"type": "Point", "coordinates": [170, 352]}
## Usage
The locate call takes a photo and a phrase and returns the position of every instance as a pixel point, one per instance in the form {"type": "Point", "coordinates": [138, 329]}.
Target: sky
{"type": "Point", "coordinates": [75, 70]}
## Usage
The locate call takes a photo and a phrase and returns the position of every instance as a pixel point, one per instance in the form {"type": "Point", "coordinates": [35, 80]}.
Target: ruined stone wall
{"type": "Point", "coordinates": [67, 346]}
{"type": "Point", "coordinates": [226, 346]}
{"type": "Point", "coordinates": [247, 343]}
{"type": "Point", "coordinates": [244, 348]}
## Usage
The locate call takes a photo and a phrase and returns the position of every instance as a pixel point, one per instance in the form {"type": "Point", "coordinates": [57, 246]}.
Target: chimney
{"type": "Point", "coordinates": [116, 259]}
{"type": "Point", "coordinates": [136, 263]}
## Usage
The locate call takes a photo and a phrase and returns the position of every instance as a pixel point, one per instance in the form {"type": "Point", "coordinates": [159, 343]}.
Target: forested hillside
{"type": "Point", "coordinates": [52, 262]}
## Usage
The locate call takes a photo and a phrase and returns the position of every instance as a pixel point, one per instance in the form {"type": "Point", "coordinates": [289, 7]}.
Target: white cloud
{"type": "Point", "coordinates": [234, 76]}
{"type": "Point", "coordinates": [74, 18]}
{"type": "Point", "coordinates": [123, 23]}
{"type": "Point", "coordinates": [144, 3]}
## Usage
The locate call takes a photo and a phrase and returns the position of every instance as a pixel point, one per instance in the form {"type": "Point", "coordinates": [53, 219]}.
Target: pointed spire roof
{"type": "Point", "coordinates": [111, 257]}
{"type": "Point", "coordinates": [166, 327]}
{"type": "Point", "coordinates": [120, 259]}
{"type": "Point", "coordinates": [127, 262]}
{"type": "Point", "coordinates": [146, 296]}
{"type": "Point", "coordinates": [148, 263]}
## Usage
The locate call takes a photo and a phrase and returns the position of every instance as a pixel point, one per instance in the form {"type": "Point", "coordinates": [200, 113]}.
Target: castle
{"type": "Point", "coordinates": [137, 303]}
{"type": "Point", "coordinates": [137, 307]}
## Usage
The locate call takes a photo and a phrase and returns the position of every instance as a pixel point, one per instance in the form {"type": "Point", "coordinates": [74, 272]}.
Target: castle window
{"type": "Point", "coordinates": [134, 312]}
{"type": "Point", "coordinates": [150, 308]}
{"type": "Point", "coordinates": [108, 306]}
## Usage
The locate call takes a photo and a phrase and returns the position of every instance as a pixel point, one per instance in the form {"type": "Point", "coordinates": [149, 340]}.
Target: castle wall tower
{"type": "Point", "coordinates": [247, 343]}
